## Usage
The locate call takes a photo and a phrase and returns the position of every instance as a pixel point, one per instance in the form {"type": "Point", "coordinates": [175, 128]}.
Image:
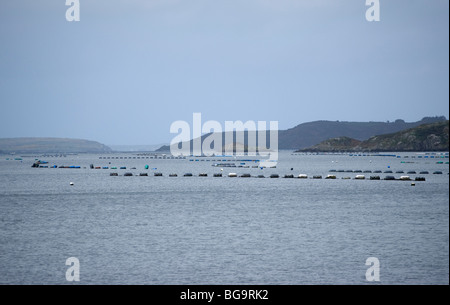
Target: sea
{"type": "Point", "coordinates": [161, 230]}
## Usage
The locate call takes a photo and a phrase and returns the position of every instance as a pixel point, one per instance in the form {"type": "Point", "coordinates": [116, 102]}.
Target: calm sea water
{"type": "Point", "coordinates": [205, 230]}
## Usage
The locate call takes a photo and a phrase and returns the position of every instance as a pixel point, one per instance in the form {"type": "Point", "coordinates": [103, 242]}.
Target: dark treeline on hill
{"type": "Point", "coordinates": [426, 137]}
{"type": "Point", "coordinates": [308, 134]}
{"type": "Point", "coordinates": [50, 145]}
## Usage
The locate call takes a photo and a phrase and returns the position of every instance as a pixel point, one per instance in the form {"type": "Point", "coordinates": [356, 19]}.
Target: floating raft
{"type": "Point", "coordinates": [287, 176]}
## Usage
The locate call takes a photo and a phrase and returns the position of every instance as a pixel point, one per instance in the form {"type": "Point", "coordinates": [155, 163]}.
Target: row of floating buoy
{"type": "Point", "coordinates": [224, 165]}
{"type": "Point", "coordinates": [223, 160]}
{"type": "Point", "coordinates": [301, 176]}
{"type": "Point", "coordinates": [289, 176]}
{"type": "Point", "coordinates": [234, 165]}
{"type": "Point", "coordinates": [143, 157]}
{"type": "Point", "coordinates": [424, 157]}
{"type": "Point", "coordinates": [385, 172]}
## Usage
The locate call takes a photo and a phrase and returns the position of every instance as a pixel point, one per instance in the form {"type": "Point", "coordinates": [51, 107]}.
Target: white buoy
{"type": "Point", "coordinates": [71, 183]}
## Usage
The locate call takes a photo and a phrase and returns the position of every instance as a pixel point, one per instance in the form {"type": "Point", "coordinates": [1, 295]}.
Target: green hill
{"type": "Point", "coordinates": [427, 137]}
{"type": "Point", "coordinates": [311, 133]}
{"type": "Point", "coordinates": [50, 145]}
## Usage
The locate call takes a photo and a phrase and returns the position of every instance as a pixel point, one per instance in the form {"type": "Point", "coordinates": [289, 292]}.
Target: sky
{"type": "Point", "coordinates": [130, 68]}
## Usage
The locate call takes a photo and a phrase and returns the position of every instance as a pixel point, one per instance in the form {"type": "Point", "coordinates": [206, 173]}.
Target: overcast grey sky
{"type": "Point", "coordinates": [130, 68]}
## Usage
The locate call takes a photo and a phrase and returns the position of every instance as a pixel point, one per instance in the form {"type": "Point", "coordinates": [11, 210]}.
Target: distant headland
{"type": "Point", "coordinates": [50, 145]}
